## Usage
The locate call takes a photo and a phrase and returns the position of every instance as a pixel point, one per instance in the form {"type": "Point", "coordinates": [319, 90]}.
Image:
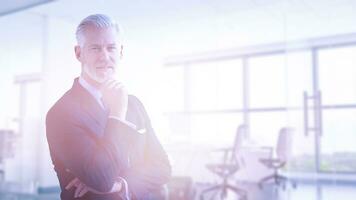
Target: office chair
{"type": "Point", "coordinates": [227, 168]}
{"type": "Point", "coordinates": [283, 153]}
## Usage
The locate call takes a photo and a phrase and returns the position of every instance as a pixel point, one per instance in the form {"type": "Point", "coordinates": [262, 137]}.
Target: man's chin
{"type": "Point", "coordinates": [97, 81]}
{"type": "Point", "coordinates": [98, 78]}
{"type": "Point", "coordinates": [101, 80]}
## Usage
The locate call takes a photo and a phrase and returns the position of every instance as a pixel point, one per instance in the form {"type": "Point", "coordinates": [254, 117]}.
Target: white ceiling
{"type": "Point", "coordinates": [212, 24]}
{"type": "Point", "coordinates": [161, 9]}
{"type": "Point", "coordinates": [141, 9]}
{"type": "Point", "coordinates": [166, 12]}
{"type": "Point", "coordinates": [11, 6]}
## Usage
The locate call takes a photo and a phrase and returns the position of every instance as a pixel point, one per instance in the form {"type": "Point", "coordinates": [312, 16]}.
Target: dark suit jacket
{"type": "Point", "coordinates": [86, 144]}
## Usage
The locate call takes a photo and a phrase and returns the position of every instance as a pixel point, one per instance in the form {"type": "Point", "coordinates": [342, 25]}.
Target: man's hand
{"type": "Point", "coordinates": [82, 189]}
{"type": "Point", "coordinates": [115, 97]}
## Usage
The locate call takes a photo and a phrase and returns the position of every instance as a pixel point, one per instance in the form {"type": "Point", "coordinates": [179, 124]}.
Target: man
{"type": "Point", "coordinates": [101, 140]}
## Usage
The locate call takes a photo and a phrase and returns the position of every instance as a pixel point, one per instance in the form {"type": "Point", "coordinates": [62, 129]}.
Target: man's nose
{"type": "Point", "coordinates": [104, 54]}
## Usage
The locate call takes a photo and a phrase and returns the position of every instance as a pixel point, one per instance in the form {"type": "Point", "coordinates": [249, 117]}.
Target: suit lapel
{"type": "Point", "coordinates": [95, 116]}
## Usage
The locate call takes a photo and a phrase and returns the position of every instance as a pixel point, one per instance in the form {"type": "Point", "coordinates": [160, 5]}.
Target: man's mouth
{"type": "Point", "coordinates": [105, 68]}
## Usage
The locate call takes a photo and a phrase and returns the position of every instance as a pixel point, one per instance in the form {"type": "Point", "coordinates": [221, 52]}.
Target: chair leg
{"type": "Point", "coordinates": [294, 184]}
{"type": "Point", "coordinates": [240, 192]}
{"type": "Point", "coordinates": [285, 180]}
{"type": "Point", "coordinates": [207, 190]}
{"type": "Point", "coordinates": [224, 188]}
{"type": "Point", "coordinates": [265, 179]}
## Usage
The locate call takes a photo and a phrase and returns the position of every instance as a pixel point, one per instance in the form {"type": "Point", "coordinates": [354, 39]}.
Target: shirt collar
{"type": "Point", "coordinates": [92, 90]}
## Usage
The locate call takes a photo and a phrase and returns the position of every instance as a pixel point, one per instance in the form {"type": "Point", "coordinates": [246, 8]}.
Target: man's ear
{"type": "Point", "coordinates": [121, 51]}
{"type": "Point", "coordinates": [77, 51]}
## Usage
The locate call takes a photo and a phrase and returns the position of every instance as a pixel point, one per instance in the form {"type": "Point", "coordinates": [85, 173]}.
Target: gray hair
{"type": "Point", "coordinates": [97, 20]}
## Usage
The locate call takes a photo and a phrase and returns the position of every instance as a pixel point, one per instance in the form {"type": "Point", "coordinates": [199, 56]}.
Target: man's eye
{"type": "Point", "coordinates": [95, 48]}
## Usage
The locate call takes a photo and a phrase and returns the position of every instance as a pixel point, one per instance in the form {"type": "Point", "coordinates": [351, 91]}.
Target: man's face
{"type": "Point", "coordinates": [98, 54]}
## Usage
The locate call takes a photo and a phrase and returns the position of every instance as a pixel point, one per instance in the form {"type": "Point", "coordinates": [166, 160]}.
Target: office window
{"type": "Point", "coordinates": [267, 81]}
{"type": "Point", "coordinates": [174, 89]}
{"type": "Point", "coordinates": [179, 125]}
{"type": "Point", "coordinates": [230, 84]}
{"type": "Point", "coordinates": [338, 141]}
{"type": "Point", "coordinates": [214, 129]}
{"type": "Point", "coordinates": [203, 86]}
{"type": "Point", "coordinates": [264, 127]}
{"type": "Point", "coordinates": [216, 85]}
{"type": "Point", "coordinates": [337, 69]}
{"type": "Point", "coordinates": [298, 77]}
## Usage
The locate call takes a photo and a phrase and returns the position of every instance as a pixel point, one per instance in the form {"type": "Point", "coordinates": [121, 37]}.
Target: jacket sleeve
{"type": "Point", "coordinates": [95, 161]}
{"type": "Point", "coordinates": [155, 169]}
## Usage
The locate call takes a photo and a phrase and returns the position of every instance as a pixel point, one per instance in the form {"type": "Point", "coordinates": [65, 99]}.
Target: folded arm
{"type": "Point", "coordinates": [95, 161]}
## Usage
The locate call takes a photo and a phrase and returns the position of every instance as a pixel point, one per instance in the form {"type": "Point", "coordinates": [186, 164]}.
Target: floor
{"type": "Point", "coordinates": [303, 191]}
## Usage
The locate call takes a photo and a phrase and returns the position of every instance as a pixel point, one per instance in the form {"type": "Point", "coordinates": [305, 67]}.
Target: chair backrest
{"type": "Point", "coordinates": [240, 136]}
{"type": "Point", "coordinates": [284, 143]}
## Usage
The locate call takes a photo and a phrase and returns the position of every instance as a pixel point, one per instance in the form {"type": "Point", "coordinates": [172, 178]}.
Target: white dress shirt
{"type": "Point", "coordinates": [92, 90]}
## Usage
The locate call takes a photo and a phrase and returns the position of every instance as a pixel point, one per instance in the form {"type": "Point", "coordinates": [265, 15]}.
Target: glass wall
{"type": "Point", "coordinates": [338, 89]}
{"type": "Point", "coordinates": [267, 92]}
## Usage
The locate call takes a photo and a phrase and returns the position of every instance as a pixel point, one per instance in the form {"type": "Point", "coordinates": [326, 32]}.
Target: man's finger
{"type": "Point", "coordinates": [115, 85]}
{"type": "Point", "coordinates": [79, 188]}
{"type": "Point", "coordinates": [108, 81]}
{"type": "Point", "coordinates": [72, 183]}
{"type": "Point", "coordinates": [109, 84]}
{"type": "Point", "coordinates": [105, 85]}
{"type": "Point", "coordinates": [84, 191]}
{"type": "Point", "coordinates": [118, 86]}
